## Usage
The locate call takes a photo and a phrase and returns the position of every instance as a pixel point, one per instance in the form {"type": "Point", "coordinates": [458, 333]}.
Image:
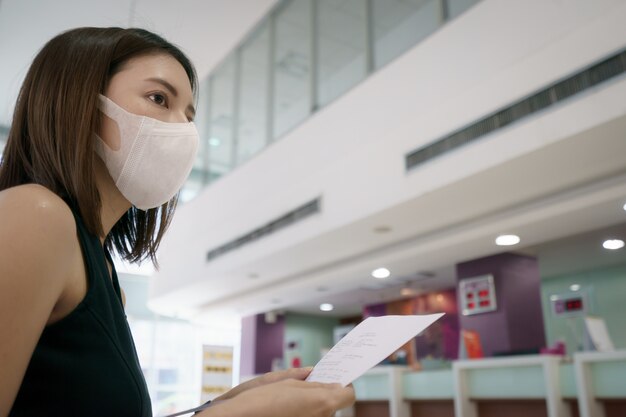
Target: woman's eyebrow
{"type": "Point", "coordinates": [165, 84]}
{"type": "Point", "coordinates": [172, 90]}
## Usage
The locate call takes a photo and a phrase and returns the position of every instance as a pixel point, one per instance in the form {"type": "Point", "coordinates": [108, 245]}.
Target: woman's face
{"type": "Point", "coordinates": [156, 86]}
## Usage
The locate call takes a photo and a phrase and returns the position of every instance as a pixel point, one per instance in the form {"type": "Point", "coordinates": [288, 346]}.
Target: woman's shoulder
{"type": "Point", "coordinates": [36, 214]}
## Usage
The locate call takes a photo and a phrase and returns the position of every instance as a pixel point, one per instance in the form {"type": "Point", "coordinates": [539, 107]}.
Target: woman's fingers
{"type": "Point", "coordinates": [345, 397]}
{"type": "Point", "coordinates": [287, 398]}
{"type": "Point", "coordinates": [293, 373]}
{"type": "Point", "coordinates": [299, 374]}
{"type": "Point", "coordinates": [340, 396]}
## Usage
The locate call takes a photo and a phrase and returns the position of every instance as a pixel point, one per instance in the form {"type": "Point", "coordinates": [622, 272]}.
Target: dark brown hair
{"type": "Point", "coordinates": [51, 142]}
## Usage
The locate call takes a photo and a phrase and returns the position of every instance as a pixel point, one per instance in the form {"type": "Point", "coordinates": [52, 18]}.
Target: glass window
{"type": "Point", "coordinates": [456, 7]}
{"type": "Point", "coordinates": [342, 40]}
{"type": "Point", "coordinates": [202, 121]}
{"type": "Point", "coordinates": [221, 137]}
{"type": "Point", "coordinates": [401, 24]}
{"type": "Point", "coordinates": [193, 185]}
{"type": "Point", "coordinates": [4, 134]}
{"type": "Point", "coordinates": [292, 66]}
{"type": "Point", "coordinates": [168, 376]}
{"type": "Point", "coordinates": [198, 176]}
{"type": "Point", "coordinates": [253, 95]}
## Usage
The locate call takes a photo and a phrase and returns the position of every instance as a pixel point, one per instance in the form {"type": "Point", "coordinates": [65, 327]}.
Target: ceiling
{"type": "Point", "coordinates": [556, 174]}
{"type": "Point", "coordinates": [570, 254]}
{"type": "Point", "coordinates": [207, 34]}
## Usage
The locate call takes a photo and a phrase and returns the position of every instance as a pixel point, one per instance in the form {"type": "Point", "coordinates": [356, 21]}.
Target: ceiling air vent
{"type": "Point", "coordinates": [282, 222]}
{"type": "Point", "coordinates": [591, 76]}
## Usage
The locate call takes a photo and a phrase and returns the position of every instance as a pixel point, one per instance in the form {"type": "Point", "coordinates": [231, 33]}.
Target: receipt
{"type": "Point", "coordinates": [367, 345]}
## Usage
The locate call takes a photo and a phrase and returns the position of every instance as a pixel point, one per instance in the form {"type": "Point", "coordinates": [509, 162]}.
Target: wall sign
{"type": "Point", "coordinates": [569, 304]}
{"type": "Point", "coordinates": [477, 295]}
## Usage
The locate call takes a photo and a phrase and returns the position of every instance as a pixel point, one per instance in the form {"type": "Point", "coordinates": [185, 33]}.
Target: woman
{"type": "Point", "coordinates": [101, 140]}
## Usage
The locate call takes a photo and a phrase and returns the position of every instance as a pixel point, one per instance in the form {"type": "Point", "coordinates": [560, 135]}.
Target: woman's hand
{"type": "Point", "coordinates": [284, 398]}
{"type": "Point", "coordinates": [299, 374]}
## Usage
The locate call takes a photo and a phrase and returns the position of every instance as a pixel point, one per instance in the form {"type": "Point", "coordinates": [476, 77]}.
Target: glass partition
{"type": "Point", "coordinates": [4, 133]}
{"type": "Point", "coordinates": [341, 47]}
{"type": "Point", "coordinates": [400, 24]}
{"type": "Point", "coordinates": [292, 65]}
{"type": "Point", "coordinates": [252, 128]}
{"type": "Point", "coordinates": [221, 138]}
{"type": "Point", "coordinates": [300, 58]}
{"type": "Point", "coordinates": [456, 7]}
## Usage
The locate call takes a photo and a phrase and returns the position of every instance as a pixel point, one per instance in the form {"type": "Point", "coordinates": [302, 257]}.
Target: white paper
{"type": "Point", "coordinates": [599, 334]}
{"type": "Point", "coordinates": [367, 345]}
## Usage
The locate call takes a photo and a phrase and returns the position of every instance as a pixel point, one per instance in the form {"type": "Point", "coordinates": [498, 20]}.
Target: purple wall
{"type": "Point", "coordinates": [248, 345]}
{"type": "Point", "coordinates": [525, 315]}
{"type": "Point", "coordinates": [441, 340]}
{"type": "Point", "coordinates": [261, 342]}
{"type": "Point", "coordinates": [374, 310]}
{"type": "Point", "coordinates": [517, 324]}
{"type": "Point", "coordinates": [270, 342]}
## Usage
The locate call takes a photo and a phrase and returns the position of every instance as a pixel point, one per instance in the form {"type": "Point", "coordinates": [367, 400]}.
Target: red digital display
{"type": "Point", "coordinates": [574, 305]}
{"type": "Point", "coordinates": [483, 293]}
{"type": "Point", "coordinates": [484, 303]}
{"type": "Point", "coordinates": [470, 295]}
{"type": "Point", "coordinates": [470, 305]}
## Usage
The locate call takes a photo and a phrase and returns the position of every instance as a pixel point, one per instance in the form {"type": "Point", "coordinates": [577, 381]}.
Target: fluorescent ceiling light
{"type": "Point", "coordinates": [613, 244]}
{"type": "Point", "coordinates": [381, 273]}
{"type": "Point", "coordinates": [507, 240]}
{"type": "Point", "coordinates": [574, 287]}
{"type": "Point", "coordinates": [327, 307]}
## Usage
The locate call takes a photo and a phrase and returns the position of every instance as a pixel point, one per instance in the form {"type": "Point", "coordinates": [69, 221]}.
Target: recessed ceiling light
{"type": "Point", "coordinates": [381, 273]}
{"type": "Point", "coordinates": [613, 244]}
{"type": "Point", "coordinates": [327, 307]}
{"type": "Point", "coordinates": [507, 240]}
{"type": "Point", "coordinates": [574, 287]}
{"type": "Point", "coordinates": [624, 207]}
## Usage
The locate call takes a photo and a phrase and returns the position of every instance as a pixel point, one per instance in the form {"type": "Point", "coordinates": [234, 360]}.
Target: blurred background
{"type": "Point", "coordinates": [368, 157]}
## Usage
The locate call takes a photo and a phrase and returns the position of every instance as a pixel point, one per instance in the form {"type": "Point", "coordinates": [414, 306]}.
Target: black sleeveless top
{"type": "Point", "coordinates": [86, 363]}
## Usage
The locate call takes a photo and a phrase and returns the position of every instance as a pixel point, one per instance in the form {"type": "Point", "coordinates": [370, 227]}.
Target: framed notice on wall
{"type": "Point", "coordinates": [477, 295]}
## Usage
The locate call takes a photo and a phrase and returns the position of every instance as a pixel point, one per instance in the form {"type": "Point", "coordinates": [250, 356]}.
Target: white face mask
{"type": "Point", "coordinates": [154, 158]}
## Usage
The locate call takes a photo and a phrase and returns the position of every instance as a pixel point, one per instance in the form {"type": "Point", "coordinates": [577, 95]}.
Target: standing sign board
{"type": "Point", "coordinates": [217, 371]}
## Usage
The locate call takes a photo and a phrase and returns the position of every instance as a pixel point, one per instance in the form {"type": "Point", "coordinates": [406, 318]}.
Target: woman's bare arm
{"type": "Point", "coordinates": [37, 238]}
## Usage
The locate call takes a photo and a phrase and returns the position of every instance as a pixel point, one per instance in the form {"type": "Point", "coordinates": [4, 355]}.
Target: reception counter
{"type": "Point", "coordinates": [591, 385]}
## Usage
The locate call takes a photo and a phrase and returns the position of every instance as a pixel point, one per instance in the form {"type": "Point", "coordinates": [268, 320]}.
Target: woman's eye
{"type": "Point", "coordinates": [159, 99]}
